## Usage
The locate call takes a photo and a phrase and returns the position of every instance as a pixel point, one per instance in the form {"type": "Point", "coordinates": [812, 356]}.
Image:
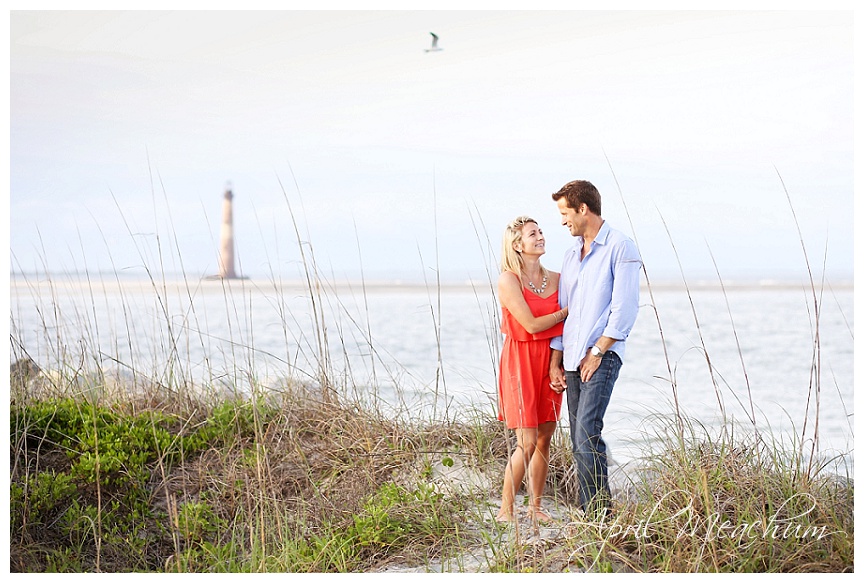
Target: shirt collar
{"type": "Point", "coordinates": [600, 239]}
{"type": "Point", "coordinates": [602, 234]}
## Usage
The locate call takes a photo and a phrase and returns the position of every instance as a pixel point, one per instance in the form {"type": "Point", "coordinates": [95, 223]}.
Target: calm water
{"type": "Point", "coordinates": [430, 348]}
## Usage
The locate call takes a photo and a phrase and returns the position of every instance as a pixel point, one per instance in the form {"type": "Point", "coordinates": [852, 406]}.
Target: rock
{"type": "Point", "coordinates": [22, 370]}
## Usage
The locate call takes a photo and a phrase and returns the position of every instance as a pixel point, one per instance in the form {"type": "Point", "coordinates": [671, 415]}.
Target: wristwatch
{"type": "Point", "coordinates": [596, 351]}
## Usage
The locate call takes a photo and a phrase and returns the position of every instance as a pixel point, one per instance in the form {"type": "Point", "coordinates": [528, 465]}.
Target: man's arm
{"type": "Point", "coordinates": [624, 305]}
{"type": "Point", "coordinates": [625, 292]}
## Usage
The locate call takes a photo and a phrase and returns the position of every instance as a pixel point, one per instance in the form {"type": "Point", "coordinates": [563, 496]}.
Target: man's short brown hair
{"type": "Point", "coordinates": [578, 192]}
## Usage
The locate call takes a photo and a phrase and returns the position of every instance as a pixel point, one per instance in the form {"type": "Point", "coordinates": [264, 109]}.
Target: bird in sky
{"type": "Point", "coordinates": [434, 46]}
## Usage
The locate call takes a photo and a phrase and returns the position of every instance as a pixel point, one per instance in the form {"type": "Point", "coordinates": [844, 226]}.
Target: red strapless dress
{"type": "Point", "coordinates": [525, 395]}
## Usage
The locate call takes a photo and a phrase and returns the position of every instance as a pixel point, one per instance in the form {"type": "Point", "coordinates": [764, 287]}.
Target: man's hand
{"type": "Point", "coordinates": [556, 375]}
{"type": "Point", "coordinates": [556, 371]}
{"type": "Point", "coordinates": [589, 366]}
{"type": "Point", "coordinates": [591, 363]}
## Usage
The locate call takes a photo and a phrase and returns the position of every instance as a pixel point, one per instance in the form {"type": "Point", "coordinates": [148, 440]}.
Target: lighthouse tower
{"type": "Point", "coordinates": [226, 255]}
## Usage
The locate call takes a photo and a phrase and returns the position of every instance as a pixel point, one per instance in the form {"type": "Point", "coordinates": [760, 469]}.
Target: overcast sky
{"type": "Point", "coordinates": [126, 127]}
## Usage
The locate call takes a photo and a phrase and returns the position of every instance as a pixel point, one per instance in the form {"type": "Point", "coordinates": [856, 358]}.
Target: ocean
{"type": "Point", "coordinates": [769, 355]}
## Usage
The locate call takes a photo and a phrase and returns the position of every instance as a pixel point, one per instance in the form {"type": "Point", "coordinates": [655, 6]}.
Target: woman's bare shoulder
{"type": "Point", "coordinates": [509, 280]}
{"type": "Point", "coordinates": [509, 277]}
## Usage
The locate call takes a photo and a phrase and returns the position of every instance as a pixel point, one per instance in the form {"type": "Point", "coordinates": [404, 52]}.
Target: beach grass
{"type": "Point", "coordinates": [153, 471]}
{"type": "Point", "coordinates": [105, 481]}
{"type": "Point", "coordinates": [119, 463]}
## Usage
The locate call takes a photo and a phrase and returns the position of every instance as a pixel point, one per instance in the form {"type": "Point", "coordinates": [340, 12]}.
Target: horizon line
{"type": "Point", "coordinates": [416, 282]}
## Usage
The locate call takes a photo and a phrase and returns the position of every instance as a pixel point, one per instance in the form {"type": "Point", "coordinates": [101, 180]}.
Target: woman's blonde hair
{"type": "Point", "coordinates": [511, 260]}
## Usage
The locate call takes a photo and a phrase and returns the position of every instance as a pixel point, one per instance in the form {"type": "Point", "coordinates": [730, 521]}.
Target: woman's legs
{"type": "Point", "coordinates": [538, 469]}
{"type": "Point", "coordinates": [526, 443]}
{"type": "Point", "coordinates": [530, 441]}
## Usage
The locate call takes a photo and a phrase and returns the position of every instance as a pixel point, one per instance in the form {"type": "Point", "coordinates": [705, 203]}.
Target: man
{"type": "Point", "coordinates": [600, 286]}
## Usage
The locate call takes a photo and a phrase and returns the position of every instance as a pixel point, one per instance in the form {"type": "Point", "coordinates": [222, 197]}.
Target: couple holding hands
{"type": "Point", "coordinates": [563, 332]}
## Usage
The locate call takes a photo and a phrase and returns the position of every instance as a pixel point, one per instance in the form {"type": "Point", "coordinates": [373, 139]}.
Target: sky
{"type": "Point", "coordinates": [720, 141]}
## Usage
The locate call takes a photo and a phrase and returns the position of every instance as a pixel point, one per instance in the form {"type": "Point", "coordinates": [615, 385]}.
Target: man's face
{"type": "Point", "coordinates": [571, 218]}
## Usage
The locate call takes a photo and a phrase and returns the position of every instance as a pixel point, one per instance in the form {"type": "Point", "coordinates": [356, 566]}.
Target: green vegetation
{"type": "Point", "coordinates": [293, 484]}
{"type": "Point", "coordinates": [237, 486]}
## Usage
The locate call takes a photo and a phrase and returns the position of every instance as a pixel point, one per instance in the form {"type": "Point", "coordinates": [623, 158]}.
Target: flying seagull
{"type": "Point", "coordinates": [434, 46]}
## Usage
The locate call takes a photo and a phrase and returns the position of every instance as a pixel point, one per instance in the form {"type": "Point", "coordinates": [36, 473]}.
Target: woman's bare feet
{"type": "Point", "coordinates": [541, 516]}
{"type": "Point", "coordinates": [505, 515]}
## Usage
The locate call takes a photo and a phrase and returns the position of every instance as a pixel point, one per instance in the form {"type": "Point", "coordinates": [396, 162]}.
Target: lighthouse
{"type": "Point", "coordinates": [226, 253]}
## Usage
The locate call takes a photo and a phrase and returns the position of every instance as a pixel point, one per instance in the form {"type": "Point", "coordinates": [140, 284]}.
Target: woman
{"type": "Point", "coordinates": [528, 294]}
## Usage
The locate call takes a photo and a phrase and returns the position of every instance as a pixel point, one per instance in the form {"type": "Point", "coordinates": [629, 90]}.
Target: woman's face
{"type": "Point", "coordinates": [533, 242]}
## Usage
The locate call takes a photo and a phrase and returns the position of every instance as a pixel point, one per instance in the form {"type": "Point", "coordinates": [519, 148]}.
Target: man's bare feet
{"type": "Point", "coordinates": [505, 516]}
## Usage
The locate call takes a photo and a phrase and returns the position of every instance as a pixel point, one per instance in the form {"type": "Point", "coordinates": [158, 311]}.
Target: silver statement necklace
{"type": "Point", "coordinates": [540, 291]}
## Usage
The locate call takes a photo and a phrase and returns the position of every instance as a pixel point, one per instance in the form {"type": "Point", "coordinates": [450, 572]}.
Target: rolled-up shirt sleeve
{"type": "Point", "coordinates": [624, 306]}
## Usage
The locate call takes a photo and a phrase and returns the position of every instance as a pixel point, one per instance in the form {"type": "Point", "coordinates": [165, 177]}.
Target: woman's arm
{"type": "Point", "coordinates": [510, 296]}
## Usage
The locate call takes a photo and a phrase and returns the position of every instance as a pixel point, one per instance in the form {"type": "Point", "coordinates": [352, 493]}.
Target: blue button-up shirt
{"type": "Point", "coordinates": [601, 292]}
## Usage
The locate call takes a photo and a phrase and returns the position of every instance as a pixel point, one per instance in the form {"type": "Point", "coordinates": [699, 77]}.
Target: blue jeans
{"type": "Point", "coordinates": [587, 404]}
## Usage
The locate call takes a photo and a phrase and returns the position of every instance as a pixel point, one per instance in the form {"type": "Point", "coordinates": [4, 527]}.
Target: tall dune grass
{"type": "Point", "coordinates": [127, 461]}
